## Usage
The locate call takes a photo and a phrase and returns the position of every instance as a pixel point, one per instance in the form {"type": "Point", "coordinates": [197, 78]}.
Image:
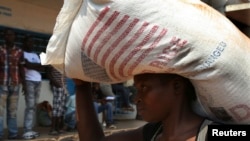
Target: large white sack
{"type": "Point", "coordinates": [113, 41]}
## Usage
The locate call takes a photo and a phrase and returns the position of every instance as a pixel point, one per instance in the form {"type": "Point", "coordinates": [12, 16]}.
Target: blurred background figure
{"type": "Point", "coordinates": [124, 94]}
{"type": "Point", "coordinates": [104, 105]}
{"type": "Point", "coordinates": [58, 82]}
{"type": "Point", "coordinates": [70, 114]}
{"type": "Point", "coordinates": [11, 76]}
{"type": "Point", "coordinates": [31, 86]}
{"type": "Point", "coordinates": [44, 114]}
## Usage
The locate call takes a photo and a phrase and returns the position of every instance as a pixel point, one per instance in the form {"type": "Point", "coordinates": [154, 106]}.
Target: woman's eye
{"type": "Point", "coordinates": [141, 88]}
{"type": "Point", "coordinates": [144, 89]}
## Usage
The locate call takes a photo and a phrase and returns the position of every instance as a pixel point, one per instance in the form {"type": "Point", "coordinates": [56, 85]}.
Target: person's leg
{"type": "Point", "coordinates": [132, 90]}
{"type": "Point", "coordinates": [62, 108]}
{"type": "Point", "coordinates": [12, 103]}
{"type": "Point", "coordinates": [61, 124]}
{"type": "Point", "coordinates": [124, 93]}
{"type": "Point", "coordinates": [118, 89]}
{"type": "Point", "coordinates": [100, 108]}
{"type": "Point", "coordinates": [96, 105]}
{"type": "Point", "coordinates": [31, 98]}
{"type": "Point", "coordinates": [70, 120]}
{"type": "Point", "coordinates": [30, 106]}
{"type": "Point", "coordinates": [37, 92]}
{"type": "Point", "coordinates": [73, 120]}
{"type": "Point", "coordinates": [53, 130]}
{"type": "Point", "coordinates": [109, 115]}
{"type": "Point", "coordinates": [37, 95]}
{"type": "Point", "coordinates": [3, 98]}
{"type": "Point", "coordinates": [55, 107]}
{"type": "Point", "coordinates": [109, 112]}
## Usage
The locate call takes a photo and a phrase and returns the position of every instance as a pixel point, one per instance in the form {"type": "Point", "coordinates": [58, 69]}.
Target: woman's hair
{"type": "Point", "coordinates": [190, 90]}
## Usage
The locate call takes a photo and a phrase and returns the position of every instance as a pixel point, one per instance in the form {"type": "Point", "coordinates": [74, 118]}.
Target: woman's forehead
{"type": "Point", "coordinates": [143, 77]}
{"type": "Point", "coordinates": [153, 77]}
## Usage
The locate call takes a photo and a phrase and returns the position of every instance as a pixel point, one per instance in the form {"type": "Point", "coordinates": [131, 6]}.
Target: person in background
{"type": "Point", "coordinates": [107, 89]}
{"type": "Point", "coordinates": [44, 114]}
{"type": "Point", "coordinates": [124, 93]}
{"type": "Point", "coordinates": [70, 114]}
{"type": "Point", "coordinates": [11, 76]}
{"type": "Point", "coordinates": [101, 104]}
{"type": "Point", "coordinates": [57, 81]}
{"type": "Point", "coordinates": [31, 86]}
{"type": "Point", "coordinates": [129, 85]}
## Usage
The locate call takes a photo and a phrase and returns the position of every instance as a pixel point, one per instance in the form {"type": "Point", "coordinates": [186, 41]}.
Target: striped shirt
{"type": "Point", "coordinates": [10, 61]}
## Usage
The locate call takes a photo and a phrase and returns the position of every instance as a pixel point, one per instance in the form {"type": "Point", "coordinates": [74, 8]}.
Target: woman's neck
{"type": "Point", "coordinates": [183, 121]}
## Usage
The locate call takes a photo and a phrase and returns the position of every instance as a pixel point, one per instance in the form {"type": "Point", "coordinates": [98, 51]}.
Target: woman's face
{"type": "Point", "coordinates": [154, 99]}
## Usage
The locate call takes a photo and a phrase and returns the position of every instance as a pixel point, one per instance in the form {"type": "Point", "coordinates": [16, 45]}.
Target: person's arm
{"type": "Point", "coordinates": [34, 66]}
{"type": "Point", "coordinates": [22, 73]}
{"type": "Point", "coordinates": [69, 101]}
{"type": "Point", "coordinates": [88, 124]}
{"type": "Point", "coordinates": [52, 79]}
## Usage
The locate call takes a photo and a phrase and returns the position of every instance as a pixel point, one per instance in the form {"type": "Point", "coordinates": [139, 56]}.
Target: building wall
{"type": "Point", "coordinates": [28, 16]}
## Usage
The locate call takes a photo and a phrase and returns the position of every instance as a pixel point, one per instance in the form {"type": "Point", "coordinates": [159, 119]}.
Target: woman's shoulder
{"type": "Point", "coordinates": [150, 129]}
{"type": "Point", "coordinates": [202, 133]}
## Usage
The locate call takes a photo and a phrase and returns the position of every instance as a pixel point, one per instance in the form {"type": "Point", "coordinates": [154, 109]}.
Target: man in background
{"type": "Point", "coordinates": [11, 76]}
{"type": "Point", "coordinates": [102, 104]}
{"type": "Point", "coordinates": [31, 86]}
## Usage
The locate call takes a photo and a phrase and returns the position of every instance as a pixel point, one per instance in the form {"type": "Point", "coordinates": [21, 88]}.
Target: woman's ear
{"type": "Point", "coordinates": [178, 85]}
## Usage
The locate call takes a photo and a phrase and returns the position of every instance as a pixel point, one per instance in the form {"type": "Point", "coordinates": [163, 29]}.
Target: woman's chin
{"type": "Point", "coordinates": [147, 118]}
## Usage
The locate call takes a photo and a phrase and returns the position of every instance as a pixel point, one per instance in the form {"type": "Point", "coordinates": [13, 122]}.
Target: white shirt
{"type": "Point", "coordinates": [32, 75]}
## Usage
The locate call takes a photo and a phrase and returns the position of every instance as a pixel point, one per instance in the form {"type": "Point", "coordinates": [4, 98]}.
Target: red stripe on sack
{"type": "Point", "coordinates": [125, 47]}
{"type": "Point", "coordinates": [101, 31]}
{"type": "Point", "coordinates": [98, 20]}
{"type": "Point", "coordinates": [147, 51]}
{"type": "Point", "coordinates": [117, 41]}
{"type": "Point", "coordinates": [109, 35]}
{"type": "Point", "coordinates": [134, 51]}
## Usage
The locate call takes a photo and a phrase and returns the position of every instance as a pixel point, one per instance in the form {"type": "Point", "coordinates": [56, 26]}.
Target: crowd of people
{"type": "Point", "coordinates": [20, 68]}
